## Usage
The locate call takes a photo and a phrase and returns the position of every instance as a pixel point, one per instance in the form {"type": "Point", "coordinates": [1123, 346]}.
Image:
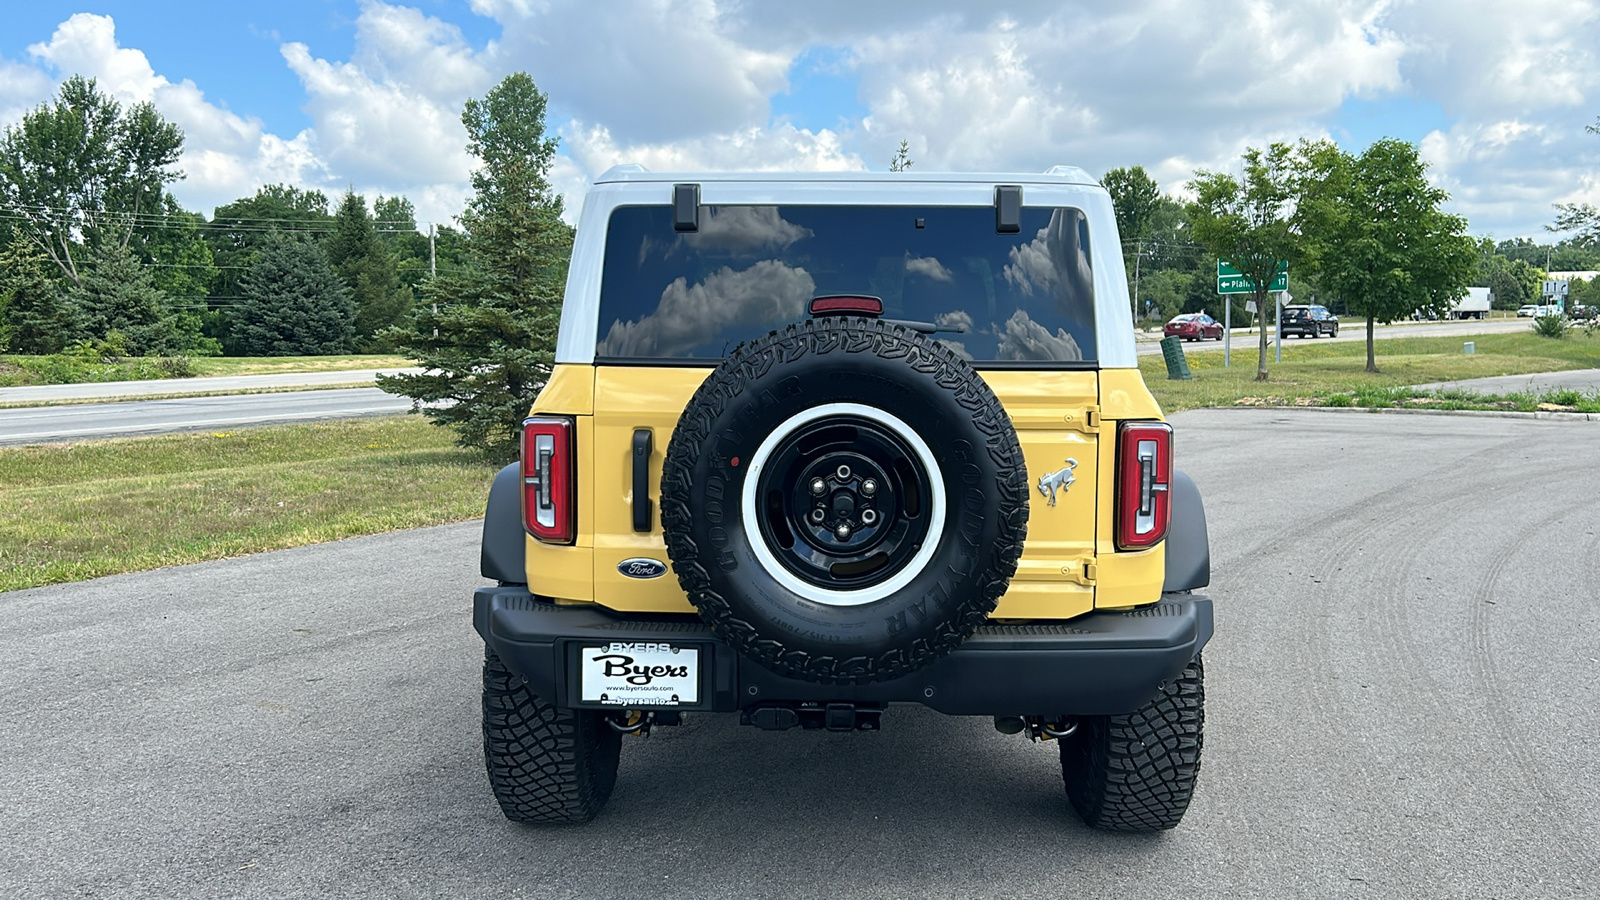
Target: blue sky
{"type": "Point", "coordinates": [363, 93]}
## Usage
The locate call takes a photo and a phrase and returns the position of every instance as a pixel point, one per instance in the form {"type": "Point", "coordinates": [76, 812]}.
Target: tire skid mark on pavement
{"type": "Point", "coordinates": [1391, 585]}
{"type": "Point", "coordinates": [1379, 520]}
{"type": "Point", "coordinates": [1485, 672]}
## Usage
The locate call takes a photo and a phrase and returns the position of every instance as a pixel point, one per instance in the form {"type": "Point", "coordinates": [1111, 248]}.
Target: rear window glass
{"type": "Point", "coordinates": [1019, 298]}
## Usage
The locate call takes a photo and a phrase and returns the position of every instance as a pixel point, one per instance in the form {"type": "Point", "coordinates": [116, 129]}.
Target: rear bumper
{"type": "Point", "coordinates": [1100, 663]}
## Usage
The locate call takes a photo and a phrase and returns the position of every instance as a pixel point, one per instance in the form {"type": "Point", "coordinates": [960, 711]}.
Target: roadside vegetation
{"type": "Point", "coordinates": [87, 365]}
{"type": "Point", "coordinates": [71, 512]}
{"type": "Point", "coordinates": [1331, 374]}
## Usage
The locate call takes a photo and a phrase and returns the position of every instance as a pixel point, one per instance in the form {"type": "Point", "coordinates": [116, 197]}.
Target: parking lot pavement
{"type": "Point", "coordinates": [1586, 381]}
{"type": "Point", "coordinates": [1400, 704]}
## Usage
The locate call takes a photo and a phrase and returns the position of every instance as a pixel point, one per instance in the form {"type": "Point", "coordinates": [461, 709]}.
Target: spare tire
{"type": "Point", "coordinates": [844, 500]}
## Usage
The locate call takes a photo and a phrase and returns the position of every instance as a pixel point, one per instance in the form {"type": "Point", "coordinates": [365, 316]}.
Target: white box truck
{"type": "Point", "coordinates": [1475, 305]}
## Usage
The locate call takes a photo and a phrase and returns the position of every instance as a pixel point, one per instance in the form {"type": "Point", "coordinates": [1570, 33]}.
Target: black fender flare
{"type": "Point", "coordinates": [1188, 545]}
{"type": "Point", "coordinates": [504, 556]}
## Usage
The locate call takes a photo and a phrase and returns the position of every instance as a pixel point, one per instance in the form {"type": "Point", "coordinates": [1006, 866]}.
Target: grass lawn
{"type": "Point", "coordinates": [1325, 373]}
{"type": "Point", "coordinates": [104, 507]}
{"type": "Point", "coordinates": [271, 365]}
{"type": "Point", "coordinates": [20, 371]}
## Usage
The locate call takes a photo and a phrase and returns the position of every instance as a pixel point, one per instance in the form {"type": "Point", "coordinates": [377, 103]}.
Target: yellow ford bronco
{"type": "Point", "coordinates": [815, 444]}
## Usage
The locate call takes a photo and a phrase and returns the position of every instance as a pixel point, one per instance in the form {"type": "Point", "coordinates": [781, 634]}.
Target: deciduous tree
{"type": "Point", "coordinates": [1135, 197]}
{"type": "Point", "coordinates": [1376, 236]}
{"type": "Point", "coordinates": [81, 170]}
{"type": "Point", "coordinates": [1248, 221]}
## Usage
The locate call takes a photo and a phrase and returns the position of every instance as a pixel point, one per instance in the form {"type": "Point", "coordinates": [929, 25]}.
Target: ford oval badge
{"type": "Point", "coordinates": [640, 567]}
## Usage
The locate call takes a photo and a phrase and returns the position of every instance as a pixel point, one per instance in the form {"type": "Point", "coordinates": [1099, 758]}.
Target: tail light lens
{"type": "Point", "coordinates": [1144, 484]}
{"type": "Point", "coordinates": [548, 475]}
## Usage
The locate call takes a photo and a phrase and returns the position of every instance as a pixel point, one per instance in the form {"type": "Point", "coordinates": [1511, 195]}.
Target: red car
{"type": "Point", "coordinates": [1194, 327]}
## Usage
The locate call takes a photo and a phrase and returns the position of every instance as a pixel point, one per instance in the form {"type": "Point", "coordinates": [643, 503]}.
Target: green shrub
{"type": "Point", "coordinates": [1551, 326]}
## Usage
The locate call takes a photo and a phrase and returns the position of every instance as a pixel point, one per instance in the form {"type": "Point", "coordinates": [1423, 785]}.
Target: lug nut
{"type": "Point", "coordinates": [868, 517]}
{"type": "Point", "coordinates": [818, 515]}
{"type": "Point", "coordinates": [842, 532]}
{"type": "Point", "coordinates": [869, 487]}
{"type": "Point", "coordinates": [843, 473]}
{"type": "Point", "coordinates": [818, 486]}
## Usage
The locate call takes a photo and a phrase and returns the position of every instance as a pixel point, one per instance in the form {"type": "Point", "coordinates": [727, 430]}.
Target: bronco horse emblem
{"type": "Point", "coordinates": [1060, 479]}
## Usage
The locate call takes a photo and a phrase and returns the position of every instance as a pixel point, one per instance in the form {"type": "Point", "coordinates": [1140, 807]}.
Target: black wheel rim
{"type": "Point", "coordinates": [843, 503]}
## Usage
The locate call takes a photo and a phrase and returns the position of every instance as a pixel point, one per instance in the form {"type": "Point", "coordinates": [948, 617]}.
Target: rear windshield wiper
{"type": "Point", "coordinates": [927, 327]}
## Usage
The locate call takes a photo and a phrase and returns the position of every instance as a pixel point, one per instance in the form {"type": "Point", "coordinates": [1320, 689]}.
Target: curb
{"type": "Point", "coordinates": [1480, 413]}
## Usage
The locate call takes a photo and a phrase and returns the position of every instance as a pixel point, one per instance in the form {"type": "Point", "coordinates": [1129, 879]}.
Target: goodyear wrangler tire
{"type": "Point", "coordinates": [844, 500]}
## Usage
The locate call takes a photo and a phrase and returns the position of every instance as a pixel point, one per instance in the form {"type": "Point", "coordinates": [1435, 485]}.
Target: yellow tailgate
{"type": "Point", "coordinates": [1065, 422]}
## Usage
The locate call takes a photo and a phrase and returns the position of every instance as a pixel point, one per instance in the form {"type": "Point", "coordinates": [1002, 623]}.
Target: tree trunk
{"type": "Point", "coordinates": [1372, 360]}
{"type": "Point", "coordinates": [1261, 352]}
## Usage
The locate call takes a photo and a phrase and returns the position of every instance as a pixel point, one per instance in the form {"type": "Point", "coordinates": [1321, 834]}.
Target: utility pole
{"type": "Point", "coordinates": [433, 272]}
{"type": "Point", "coordinates": [1138, 250]}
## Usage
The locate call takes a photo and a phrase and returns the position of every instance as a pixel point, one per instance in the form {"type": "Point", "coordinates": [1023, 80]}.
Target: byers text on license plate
{"type": "Point", "coordinates": [640, 674]}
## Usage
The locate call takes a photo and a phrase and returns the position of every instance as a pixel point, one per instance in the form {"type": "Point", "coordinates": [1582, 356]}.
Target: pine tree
{"type": "Point", "coordinates": [497, 317]}
{"type": "Point", "coordinates": [369, 270]}
{"type": "Point", "coordinates": [292, 303]}
{"type": "Point", "coordinates": [116, 300]}
{"type": "Point", "coordinates": [34, 316]}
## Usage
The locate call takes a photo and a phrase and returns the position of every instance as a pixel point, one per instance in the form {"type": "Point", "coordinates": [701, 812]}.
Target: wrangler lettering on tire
{"type": "Point", "coordinates": [862, 506]}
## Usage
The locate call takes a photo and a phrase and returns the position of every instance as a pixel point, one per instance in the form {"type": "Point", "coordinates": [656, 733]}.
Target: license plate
{"type": "Point", "coordinates": [640, 674]}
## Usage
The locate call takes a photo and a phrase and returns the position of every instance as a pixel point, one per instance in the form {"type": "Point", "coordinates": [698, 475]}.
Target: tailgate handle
{"type": "Point", "coordinates": [643, 447]}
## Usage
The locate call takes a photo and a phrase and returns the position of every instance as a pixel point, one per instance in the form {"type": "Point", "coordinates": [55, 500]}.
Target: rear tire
{"type": "Point", "coordinates": [1136, 772]}
{"type": "Point", "coordinates": [546, 765]}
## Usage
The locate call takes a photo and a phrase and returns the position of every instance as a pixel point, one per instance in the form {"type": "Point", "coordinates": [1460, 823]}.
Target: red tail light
{"type": "Point", "coordinates": [548, 474]}
{"type": "Point", "coordinates": [1144, 484]}
{"type": "Point", "coordinates": [840, 304]}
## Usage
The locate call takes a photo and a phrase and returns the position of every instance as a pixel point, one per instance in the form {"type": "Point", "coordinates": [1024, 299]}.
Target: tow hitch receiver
{"type": "Point", "coordinates": [813, 716]}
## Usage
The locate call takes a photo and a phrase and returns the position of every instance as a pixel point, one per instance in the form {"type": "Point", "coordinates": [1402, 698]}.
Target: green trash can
{"type": "Point", "coordinates": [1172, 352]}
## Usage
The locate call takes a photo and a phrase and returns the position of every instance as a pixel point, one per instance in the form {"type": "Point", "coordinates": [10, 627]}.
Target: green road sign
{"type": "Point", "coordinates": [1231, 281]}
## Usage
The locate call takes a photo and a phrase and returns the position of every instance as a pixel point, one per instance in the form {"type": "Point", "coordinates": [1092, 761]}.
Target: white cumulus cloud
{"type": "Point", "coordinates": [1172, 85]}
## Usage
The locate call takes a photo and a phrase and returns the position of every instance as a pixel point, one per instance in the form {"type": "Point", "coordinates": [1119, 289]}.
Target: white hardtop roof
{"type": "Point", "coordinates": [632, 172]}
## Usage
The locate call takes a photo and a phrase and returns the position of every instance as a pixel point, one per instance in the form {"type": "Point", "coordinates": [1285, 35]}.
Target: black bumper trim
{"type": "Point", "coordinates": [1101, 663]}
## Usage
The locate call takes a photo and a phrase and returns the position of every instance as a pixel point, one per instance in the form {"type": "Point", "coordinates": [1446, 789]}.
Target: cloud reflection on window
{"type": "Point", "coordinates": [1024, 339]}
{"type": "Point", "coordinates": [1056, 263]}
{"type": "Point", "coordinates": [928, 267]}
{"type": "Point", "coordinates": [767, 293]}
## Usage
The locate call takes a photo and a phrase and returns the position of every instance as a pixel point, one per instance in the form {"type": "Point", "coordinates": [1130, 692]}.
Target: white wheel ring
{"type": "Point", "coordinates": [797, 585]}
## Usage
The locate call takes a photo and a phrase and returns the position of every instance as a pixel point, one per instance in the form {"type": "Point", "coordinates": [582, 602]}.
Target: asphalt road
{"type": "Point", "coordinates": [85, 421]}
{"type": "Point", "coordinates": [44, 393]}
{"type": "Point", "coordinates": [1401, 690]}
{"type": "Point", "coordinates": [1244, 341]}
